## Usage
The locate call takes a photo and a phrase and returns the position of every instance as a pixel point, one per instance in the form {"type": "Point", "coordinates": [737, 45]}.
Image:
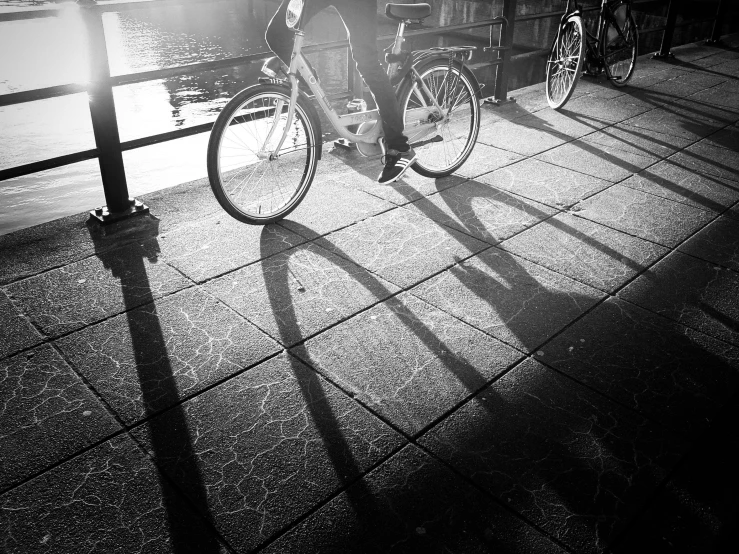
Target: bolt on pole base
{"type": "Point", "coordinates": [497, 102]}
{"type": "Point", "coordinates": [660, 56]}
{"type": "Point", "coordinates": [712, 42]}
{"type": "Point", "coordinates": [104, 217]}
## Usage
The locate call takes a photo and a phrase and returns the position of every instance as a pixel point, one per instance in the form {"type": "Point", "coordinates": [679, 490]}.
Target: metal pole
{"type": "Point", "coordinates": [105, 124]}
{"type": "Point", "coordinates": [718, 23]}
{"type": "Point", "coordinates": [505, 45]}
{"type": "Point", "coordinates": [664, 50]}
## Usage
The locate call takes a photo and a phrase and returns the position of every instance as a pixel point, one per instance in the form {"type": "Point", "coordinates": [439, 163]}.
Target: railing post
{"type": "Point", "coordinates": [664, 50]}
{"type": "Point", "coordinates": [718, 22]}
{"type": "Point", "coordinates": [105, 124]}
{"type": "Point", "coordinates": [505, 45]}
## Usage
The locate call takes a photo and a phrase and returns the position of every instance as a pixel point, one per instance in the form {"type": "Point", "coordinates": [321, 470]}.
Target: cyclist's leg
{"type": "Point", "coordinates": [360, 18]}
{"type": "Point", "coordinates": [280, 37]}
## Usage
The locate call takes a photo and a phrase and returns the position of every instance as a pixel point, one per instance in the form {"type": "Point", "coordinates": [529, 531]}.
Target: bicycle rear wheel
{"type": "Point", "coordinates": [248, 185]}
{"type": "Point", "coordinates": [564, 64]}
{"type": "Point", "coordinates": [447, 147]}
{"type": "Point", "coordinates": [620, 52]}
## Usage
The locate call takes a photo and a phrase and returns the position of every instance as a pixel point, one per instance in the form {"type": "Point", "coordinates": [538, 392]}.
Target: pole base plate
{"type": "Point", "coordinates": [497, 102]}
{"type": "Point", "coordinates": [104, 217]}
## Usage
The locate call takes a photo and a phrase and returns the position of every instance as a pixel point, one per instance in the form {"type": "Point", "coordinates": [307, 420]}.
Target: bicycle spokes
{"type": "Point", "coordinates": [564, 63]}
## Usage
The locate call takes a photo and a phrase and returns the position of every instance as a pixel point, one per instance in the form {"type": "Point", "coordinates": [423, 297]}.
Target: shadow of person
{"type": "Point", "coordinates": [158, 388]}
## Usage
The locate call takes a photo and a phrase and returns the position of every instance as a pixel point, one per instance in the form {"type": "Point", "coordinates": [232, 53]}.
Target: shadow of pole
{"type": "Point", "coordinates": [154, 368]}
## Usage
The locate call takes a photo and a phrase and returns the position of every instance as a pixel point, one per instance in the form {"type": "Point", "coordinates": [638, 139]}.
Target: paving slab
{"type": "Point", "coordinates": [300, 292]}
{"type": "Point", "coordinates": [408, 361]}
{"type": "Point", "coordinates": [330, 206]}
{"type": "Point", "coordinates": [16, 332]}
{"type": "Point", "coordinates": [707, 63]}
{"type": "Point", "coordinates": [663, 370]}
{"type": "Point", "coordinates": [708, 110]}
{"type": "Point", "coordinates": [649, 73]}
{"type": "Point", "coordinates": [709, 160]}
{"type": "Point", "coordinates": [519, 138]}
{"type": "Point", "coordinates": [486, 213]}
{"type": "Point", "coordinates": [182, 204]}
{"type": "Point", "coordinates": [411, 187]}
{"type": "Point", "coordinates": [412, 503]}
{"type": "Point", "coordinates": [620, 138]}
{"type": "Point", "coordinates": [644, 215]}
{"type": "Point", "coordinates": [91, 290]}
{"type": "Point", "coordinates": [63, 241]}
{"type": "Point", "coordinates": [717, 243]}
{"type": "Point", "coordinates": [146, 360]}
{"type": "Point", "coordinates": [219, 244]}
{"type": "Point", "coordinates": [727, 137]}
{"type": "Point", "coordinates": [696, 510]}
{"type": "Point", "coordinates": [555, 186]}
{"type": "Point", "coordinates": [516, 301]}
{"type": "Point", "coordinates": [607, 163]}
{"type": "Point", "coordinates": [694, 292]}
{"type": "Point", "coordinates": [401, 246]}
{"type": "Point", "coordinates": [569, 460]}
{"type": "Point", "coordinates": [564, 123]}
{"type": "Point", "coordinates": [680, 184]}
{"type": "Point", "coordinates": [730, 68]}
{"type": "Point", "coordinates": [598, 86]}
{"type": "Point", "coordinates": [111, 499]}
{"type": "Point", "coordinates": [724, 95]}
{"type": "Point", "coordinates": [688, 84]}
{"type": "Point", "coordinates": [670, 121]}
{"type": "Point", "coordinates": [267, 446]}
{"type": "Point", "coordinates": [586, 251]}
{"type": "Point", "coordinates": [485, 159]}
{"type": "Point", "coordinates": [613, 109]}
{"type": "Point", "coordinates": [47, 414]}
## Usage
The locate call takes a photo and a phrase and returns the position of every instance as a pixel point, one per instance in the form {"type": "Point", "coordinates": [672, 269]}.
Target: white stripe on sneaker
{"type": "Point", "coordinates": [404, 165]}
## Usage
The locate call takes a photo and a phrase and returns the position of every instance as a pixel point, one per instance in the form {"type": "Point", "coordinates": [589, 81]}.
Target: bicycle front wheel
{"type": "Point", "coordinates": [620, 49]}
{"type": "Point", "coordinates": [445, 148]}
{"type": "Point", "coordinates": [564, 64]}
{"type": "Point", "coordinates": [248, 184]}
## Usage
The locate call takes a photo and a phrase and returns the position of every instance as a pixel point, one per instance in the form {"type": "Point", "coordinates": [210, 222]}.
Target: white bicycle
{"type": "Point", "coordinates": [266, 143]}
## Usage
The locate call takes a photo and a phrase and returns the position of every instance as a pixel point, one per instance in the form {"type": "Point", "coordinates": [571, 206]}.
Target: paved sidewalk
{"type": "Point", "coordinates": [537, 355]}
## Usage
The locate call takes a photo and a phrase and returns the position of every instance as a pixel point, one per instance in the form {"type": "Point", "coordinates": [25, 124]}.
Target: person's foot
{"type": "Point", "coordinates": [396, 164]}
{"type": "Point", "coordinates": [275, 69]}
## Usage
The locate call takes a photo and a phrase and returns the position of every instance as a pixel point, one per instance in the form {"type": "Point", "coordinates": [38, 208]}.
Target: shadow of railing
{"type": "Point", "coordinates": [158, 389]}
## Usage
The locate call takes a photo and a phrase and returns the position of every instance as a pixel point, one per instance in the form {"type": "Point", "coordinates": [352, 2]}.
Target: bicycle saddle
{"type": "Point", "coordinates": [401, 12]}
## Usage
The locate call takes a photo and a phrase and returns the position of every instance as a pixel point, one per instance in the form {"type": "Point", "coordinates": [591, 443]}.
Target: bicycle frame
{"type": "Point", "coordinates": [419, 121]}
{"type": "Point", "coordinates": [604, 15]}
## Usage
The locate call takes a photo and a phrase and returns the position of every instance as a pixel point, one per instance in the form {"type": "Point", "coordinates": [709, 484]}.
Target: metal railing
{"type": "Point", "coordinates": [109, 148]}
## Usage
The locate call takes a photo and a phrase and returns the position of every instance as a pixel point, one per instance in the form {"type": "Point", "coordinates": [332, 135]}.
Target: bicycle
{"type": "Point", "coordinates": [266, 142]}
{"type": "Point", "coordinates": [613, 49]}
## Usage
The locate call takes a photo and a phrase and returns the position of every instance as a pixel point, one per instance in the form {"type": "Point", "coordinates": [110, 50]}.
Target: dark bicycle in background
{"type": "Point", "coordinates": [612, 49]}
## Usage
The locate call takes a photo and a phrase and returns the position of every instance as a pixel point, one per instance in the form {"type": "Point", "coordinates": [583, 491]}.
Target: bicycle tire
{"type": "Point", "coordinates": [565, 61]}
{"type": "Point", "coordinates": [616, 73]}
{"type": "Point", "coordinates": [458, 134]}
{"type": "Point", "coordinates": [270, 189]}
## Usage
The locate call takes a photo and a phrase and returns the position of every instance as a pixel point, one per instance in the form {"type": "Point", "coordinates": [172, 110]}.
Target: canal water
{"type": "Point", "coordinates": [51, 51]}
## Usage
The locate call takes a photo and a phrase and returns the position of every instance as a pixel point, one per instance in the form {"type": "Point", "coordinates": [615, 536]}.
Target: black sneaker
{"type": "Point", "coordinates": [396, 164]}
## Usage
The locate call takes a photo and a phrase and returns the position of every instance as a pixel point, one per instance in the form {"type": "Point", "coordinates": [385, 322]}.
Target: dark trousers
{"type": "Point", "coordinates": [360, 18]}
